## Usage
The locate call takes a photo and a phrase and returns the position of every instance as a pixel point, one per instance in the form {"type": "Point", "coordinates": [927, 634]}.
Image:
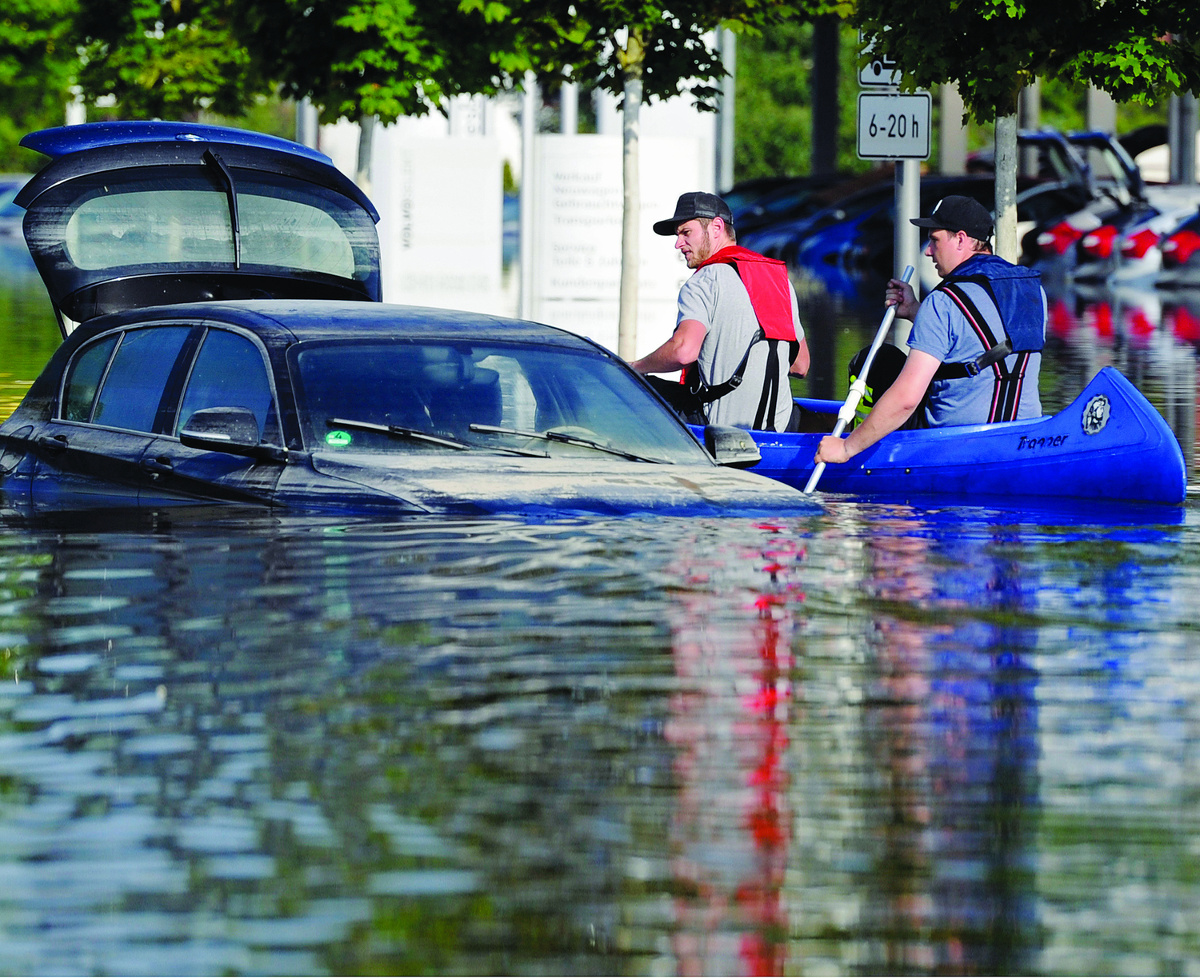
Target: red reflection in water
{"type": "Point", "coordinates": [1061, 320]}
{"type": "Point", "coordinates": [1185, 325]}
{"type": "Point", "coordinates": [731, 828]}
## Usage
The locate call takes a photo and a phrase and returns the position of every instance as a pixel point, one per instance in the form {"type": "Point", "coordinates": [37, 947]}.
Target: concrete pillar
{"type": "Point", "coordinates": [952, 145]}
{"type": "Point", "coordinates": [725, 112]}
{"type": "Point", "coordinates": [1101, 111]}
{"type": "Point", "coordinates": [568, 109]}
{"type": "Point", "coordinates": [1029, 118]}
{"type": "Point", "coordinates": [307, 124]}
{"type": "Point", "coordinates": [1181, 138]}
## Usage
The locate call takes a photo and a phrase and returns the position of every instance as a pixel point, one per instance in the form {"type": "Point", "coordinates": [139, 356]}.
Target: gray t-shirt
{"type": "Point", "coordinates": [941, 330]}
{"type": "Point", "coordinates": [715, 296]}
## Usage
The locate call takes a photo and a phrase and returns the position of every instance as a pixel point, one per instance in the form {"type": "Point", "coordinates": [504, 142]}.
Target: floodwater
{"type": "Point", "coordinates": [879, 739]}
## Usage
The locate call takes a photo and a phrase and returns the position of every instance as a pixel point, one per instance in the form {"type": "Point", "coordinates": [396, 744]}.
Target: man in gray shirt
{"type": "Point", "coordinates": [738, 333]}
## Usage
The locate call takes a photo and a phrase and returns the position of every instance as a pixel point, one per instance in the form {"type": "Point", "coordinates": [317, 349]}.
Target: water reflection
{"type": "Point", "coordinates": [729, 725]}
{"type": "Point", "coordinates": [950, 723]}
{"type": "Point", "coordinates": [882, 739]}
{"type": "Point", "coordinates": [324, 748]}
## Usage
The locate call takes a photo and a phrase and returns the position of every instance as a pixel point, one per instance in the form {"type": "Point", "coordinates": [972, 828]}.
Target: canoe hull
{"type": "Point", "coordinates": [1109, 444]}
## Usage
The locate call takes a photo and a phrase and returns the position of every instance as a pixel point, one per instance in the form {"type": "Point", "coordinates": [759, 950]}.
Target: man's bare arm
{"type": "Point", "coordinates": [679, 351]}
{"type": "Point", "coordinates": [802, 362]}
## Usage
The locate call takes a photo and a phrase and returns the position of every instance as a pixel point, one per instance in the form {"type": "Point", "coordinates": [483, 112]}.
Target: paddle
{"type": "Point", "coordinates": [859, 387]}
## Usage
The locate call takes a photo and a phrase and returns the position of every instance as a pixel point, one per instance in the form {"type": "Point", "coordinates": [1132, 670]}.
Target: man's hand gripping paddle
{"type": "Point", "coordinates": [859, 387]}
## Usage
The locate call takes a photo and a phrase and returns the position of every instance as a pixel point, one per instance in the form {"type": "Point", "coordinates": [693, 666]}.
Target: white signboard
{"type": "Point", "coordinates": [577, 233]}
{"type": "Point", "coordinates": [893, 126]}
{"type": "Point", "coordinates": [439, 201]}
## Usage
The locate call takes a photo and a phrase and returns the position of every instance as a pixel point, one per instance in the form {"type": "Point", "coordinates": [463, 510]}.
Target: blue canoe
{"type": "Point", "coordinates": [1110, 444]}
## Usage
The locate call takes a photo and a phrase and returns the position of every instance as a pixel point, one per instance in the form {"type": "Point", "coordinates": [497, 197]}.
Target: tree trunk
{"type": "Point", "coordinates": [632, 201]}
{"type": "Point", "coordinates": [1007, 245]}
{"type": "Point", "coordinates": [366, 143]}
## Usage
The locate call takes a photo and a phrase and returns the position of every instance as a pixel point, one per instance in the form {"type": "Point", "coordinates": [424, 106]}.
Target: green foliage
{"type": "Point", "coordinates": [774, 102]}
{"type": "Point", "coordinates": [666, 47]}
{"type": "Point", "coordinates": [269, 115]}
{"type": "Point", "coordinates": [356, 58]}
{"type": "Point", "coordinates": [1137, 50]}
{"type": "Point", "coordinates": [164, 58]}
{"type": "Point", "coordinates": [37, 67]}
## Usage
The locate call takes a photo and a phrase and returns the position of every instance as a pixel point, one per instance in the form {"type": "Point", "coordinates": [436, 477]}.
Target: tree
{"type": "Point", "coordinates": [166, 59]}
{"type": "Point", "coordinates": [380, 59]}
{"type": "Point", "coordinates": [1137, 50]}
{"type": "Point", "coordinates": [37, 68]}
{"type": "Point", "coordinates": [356, 59]}
{"type": "Point", "coordinates": [774, 102]}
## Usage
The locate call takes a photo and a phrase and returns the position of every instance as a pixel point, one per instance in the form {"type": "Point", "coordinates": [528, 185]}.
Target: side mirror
{"type": "Point", "coordinates": [731, 446]}
{"type": "Point", "coordinates": [225, 429]}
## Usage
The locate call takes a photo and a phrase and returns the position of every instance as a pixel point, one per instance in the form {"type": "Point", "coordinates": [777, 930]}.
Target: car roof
{"type": "Point", "coordinates": [323, 320]}
{"type": "Point", "coordinates": [127, 215]}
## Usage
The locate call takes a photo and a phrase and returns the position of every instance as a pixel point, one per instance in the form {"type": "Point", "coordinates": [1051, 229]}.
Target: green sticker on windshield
{"type": "Point", "coordinates": [338, 439]}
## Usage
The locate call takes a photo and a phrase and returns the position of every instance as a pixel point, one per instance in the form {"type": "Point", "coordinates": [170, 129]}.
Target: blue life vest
{"type": "Point", "coordinates": [1016, 293]}
{"type": "Point", "coordinates": [1015, 290]}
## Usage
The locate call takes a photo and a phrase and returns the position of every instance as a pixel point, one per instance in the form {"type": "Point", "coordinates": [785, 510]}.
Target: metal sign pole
{"type": "Point", "coordinates": [895, 126]}
{"type": "Point", "coordinates": [907, 238]}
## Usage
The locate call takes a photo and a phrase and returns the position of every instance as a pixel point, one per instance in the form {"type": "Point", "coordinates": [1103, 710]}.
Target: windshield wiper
{"type": "Point", "coordinates": [235, 224]}
{"type": "Point", "coordinates": [415, 434]}
{"type": "Point", "coordinates": [565, 439]}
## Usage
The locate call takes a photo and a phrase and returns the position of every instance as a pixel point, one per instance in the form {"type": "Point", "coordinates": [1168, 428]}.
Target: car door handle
{"type": "Point", "coordinates": [158, 466]}
{"type": "Point", "coordinates": [53, 443]}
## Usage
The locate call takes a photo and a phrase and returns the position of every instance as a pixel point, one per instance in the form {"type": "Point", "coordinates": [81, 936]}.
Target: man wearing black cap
{"type": "Point", "coordinates": [738, 332]}
{"type": "Point", "coordinates": [975, 347]}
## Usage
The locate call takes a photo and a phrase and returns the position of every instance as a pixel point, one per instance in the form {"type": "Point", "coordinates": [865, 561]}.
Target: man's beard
{"type": "Point", "coordinates": [703, 252]}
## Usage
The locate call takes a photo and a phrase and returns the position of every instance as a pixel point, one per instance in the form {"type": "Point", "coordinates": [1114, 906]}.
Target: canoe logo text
{"type": "Point", "coordinates": [1095, 415]}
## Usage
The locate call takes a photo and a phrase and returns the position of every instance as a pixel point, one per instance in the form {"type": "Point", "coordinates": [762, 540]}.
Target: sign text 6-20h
{"type": "Point", "coordinates": [893, 126]}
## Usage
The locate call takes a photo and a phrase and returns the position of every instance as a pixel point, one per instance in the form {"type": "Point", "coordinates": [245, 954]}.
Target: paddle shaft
{"type": "Point", "coordinates": [859, 388]}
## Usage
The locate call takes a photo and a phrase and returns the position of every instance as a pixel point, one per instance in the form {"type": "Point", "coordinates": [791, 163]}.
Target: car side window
{"type": "Point", "coordinates": [84, 378]}
{"type": "Point", "coordinates": [229, 372]}
{"type": "Point", "coordinates": [134, 383]}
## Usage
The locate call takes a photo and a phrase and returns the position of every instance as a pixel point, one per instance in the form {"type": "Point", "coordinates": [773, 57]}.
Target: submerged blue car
{"type": "Point", "coordinates": [219, 295]}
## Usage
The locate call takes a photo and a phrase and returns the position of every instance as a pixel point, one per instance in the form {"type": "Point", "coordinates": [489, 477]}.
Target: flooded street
{"type": "Point", "coordinates": [879, 739]}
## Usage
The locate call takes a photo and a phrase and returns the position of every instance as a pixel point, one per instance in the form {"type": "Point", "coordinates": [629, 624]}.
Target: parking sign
{"type": "Point", "coordinates": [893, 126]}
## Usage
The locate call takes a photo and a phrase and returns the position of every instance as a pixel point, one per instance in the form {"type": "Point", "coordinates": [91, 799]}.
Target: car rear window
{"type": "Point", "coordinates": [152, 225]}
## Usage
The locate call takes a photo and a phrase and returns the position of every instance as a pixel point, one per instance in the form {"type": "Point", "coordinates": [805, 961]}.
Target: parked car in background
{"type": "Point", "coordinates": [1180, 250]}
{"type": "Point", "coordinates": [743, 194]}
{"type": "Point", "coordinates": [854, 241]}
{"type": "Point", "coordinates": [1136, 249]}
{"type": "Point", "coordinates": [798, 198]}
{"type": "Point", "coordinates": [851, 240]}
{"type": "Point", "coordinates": [1086, 245]}
{"type": "Point", "coordinates": [225, 342]}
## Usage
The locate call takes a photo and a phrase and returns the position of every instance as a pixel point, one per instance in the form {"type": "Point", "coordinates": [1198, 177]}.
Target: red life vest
{"type": "Point", "coordinates": [766, 282]}
{"type": "Point", "coordinates": [767, 285]}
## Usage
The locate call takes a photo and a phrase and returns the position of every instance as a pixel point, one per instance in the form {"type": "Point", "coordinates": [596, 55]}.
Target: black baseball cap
{"type": "Point", "coordinates": [957, 213]}
{"type": "Point", "coordinates": [693, 205]}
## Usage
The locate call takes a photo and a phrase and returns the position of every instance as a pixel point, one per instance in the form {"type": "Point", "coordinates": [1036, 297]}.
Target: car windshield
{"type": "Point", "coordinates": [404, 396]}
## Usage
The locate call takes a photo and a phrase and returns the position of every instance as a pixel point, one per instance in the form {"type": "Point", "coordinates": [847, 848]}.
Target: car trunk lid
{"type": "Point", "coordinates": [133, 214]}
